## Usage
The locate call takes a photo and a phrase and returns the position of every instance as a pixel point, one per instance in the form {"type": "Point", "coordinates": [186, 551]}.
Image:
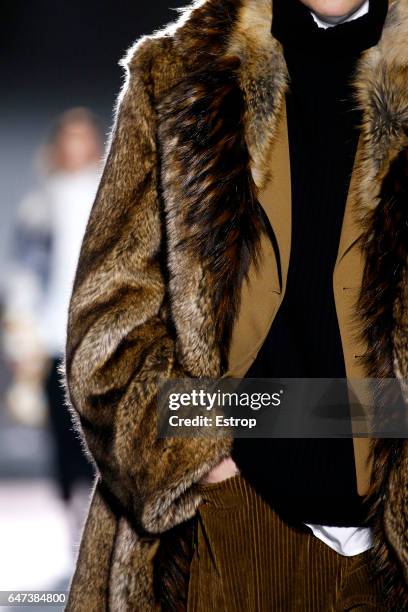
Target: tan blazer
{"type": "Point", "coordinates": [262, 294]}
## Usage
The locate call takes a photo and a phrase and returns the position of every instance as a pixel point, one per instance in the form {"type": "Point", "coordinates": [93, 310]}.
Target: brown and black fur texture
{"type": "Point", "coordinates": [173, 229]}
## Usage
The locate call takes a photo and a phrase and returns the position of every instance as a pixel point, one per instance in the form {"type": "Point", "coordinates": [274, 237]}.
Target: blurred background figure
{"type": "Point", "coordinates": [50, 224]}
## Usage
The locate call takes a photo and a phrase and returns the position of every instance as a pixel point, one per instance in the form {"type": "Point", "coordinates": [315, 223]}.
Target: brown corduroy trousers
{"type": "Point", "coordinates": [247, 559]}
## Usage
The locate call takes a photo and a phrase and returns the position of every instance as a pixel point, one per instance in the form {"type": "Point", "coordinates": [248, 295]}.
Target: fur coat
{"type": "Point", "coordinates": [174, 226]}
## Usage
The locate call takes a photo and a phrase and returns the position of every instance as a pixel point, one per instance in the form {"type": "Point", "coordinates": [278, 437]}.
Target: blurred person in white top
{"type": "Point", "coordinates": [49, 228]}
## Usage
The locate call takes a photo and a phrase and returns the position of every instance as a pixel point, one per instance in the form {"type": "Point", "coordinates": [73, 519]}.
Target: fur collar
{"type": "Point", "coordinates": [209, 29]}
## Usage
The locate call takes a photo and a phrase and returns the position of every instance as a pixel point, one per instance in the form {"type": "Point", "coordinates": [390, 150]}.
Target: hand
{"type": "Point", "coordinates": [225, 469]}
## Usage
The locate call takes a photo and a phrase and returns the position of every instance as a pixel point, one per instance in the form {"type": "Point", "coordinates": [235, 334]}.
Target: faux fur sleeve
{"type": "Point", "coordinates": [118, 337]}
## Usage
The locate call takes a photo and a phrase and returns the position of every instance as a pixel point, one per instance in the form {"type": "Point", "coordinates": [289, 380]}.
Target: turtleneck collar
{"type": "Point", "coordinates": [294, 26]}
{"type": "Point", "coordinates": [362, 10]}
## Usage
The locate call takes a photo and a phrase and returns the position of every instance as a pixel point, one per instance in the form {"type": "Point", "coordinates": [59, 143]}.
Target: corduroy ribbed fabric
{"type": "Point", "coordinates": [246, 559]}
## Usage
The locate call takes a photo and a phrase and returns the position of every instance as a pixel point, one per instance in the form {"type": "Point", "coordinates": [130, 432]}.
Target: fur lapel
{"type": "Point", "coordinates": [217, 125]}
{"type": "Point", "coordinates": [382, 307]}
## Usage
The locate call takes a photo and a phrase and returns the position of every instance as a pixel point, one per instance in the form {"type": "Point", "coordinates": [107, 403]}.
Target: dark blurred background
{"type": "Point", "coordinates": [55, 55]}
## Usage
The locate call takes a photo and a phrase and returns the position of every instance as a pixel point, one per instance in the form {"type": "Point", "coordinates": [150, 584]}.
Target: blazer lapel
{"type": "Point", "coordinates": [351, 230]}
{"type": "Point", "coordinates": [276, 199]}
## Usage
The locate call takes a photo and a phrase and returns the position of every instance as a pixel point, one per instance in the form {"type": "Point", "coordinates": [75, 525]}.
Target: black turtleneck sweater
{"type": "Point", "coordinates": [313, 480]}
